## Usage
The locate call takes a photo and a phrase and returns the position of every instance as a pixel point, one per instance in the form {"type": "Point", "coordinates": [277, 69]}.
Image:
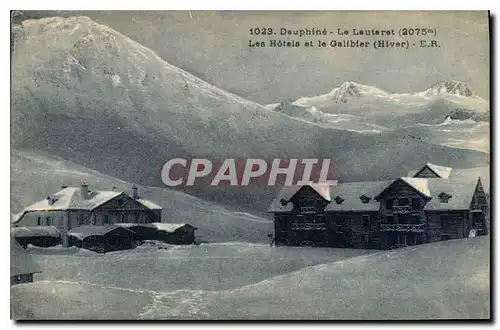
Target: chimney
{"type": "Point", "coordinates": [84, 190]}
{"type": "Point", "coordinates": [64, 186]}
{"type": "Point", "coordinates": [50, 201]}
{"type": "Point", "coordinates": [134, 190]}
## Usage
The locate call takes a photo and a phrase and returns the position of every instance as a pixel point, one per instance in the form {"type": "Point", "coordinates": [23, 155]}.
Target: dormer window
{"type": "Point", "coordinates": [444, 197]}
{"type": "Point", "coordinates": [364, 199]}
{"type": "Point", "coordinates": [339, 200]}
{"type": "Point", "coordinates": [283, 202]}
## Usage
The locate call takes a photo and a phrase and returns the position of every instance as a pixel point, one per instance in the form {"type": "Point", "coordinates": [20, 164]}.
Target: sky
{"type": "Point", "coordinates": [215, 47]}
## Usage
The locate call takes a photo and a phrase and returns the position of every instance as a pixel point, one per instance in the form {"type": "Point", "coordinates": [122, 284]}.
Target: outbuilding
{"type": "Point", "coordinates": [43, 236]}
{"type": "Point", "coordinates": [102, 239]}
{"type": "Point", "coordinates": [172, 233]}
{"type": "Point", "coordinates": [22, 265]}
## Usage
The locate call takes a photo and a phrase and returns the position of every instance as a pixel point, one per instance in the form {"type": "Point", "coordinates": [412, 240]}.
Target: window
{"type": "Point", "coordinates": [415, 203]}
{"type": "Point", "coordinates": [365, 218]}
{"type": "Point", "coordinates": [106, 219]}
{"type": "Point", "coordinates": [390, 219]}
{"type": "Point", "coordinates": [38, 221]}
{"type": "Point", "coordinates": [48, 221]}
{"type": "Point", "coordinates": [342, 221]}
{"type": "Point", "coordinates": [120, 202]}
{"type": "Point", "coordinates": [364, 199]}
{"type": "Point", "coordinates": [403, 201]}
{"type": "Point", "coordinates": [307, 205]}
{"type": "Point", "coordinates": [444, 197]}
{"type": "Point", "coordinates": [448, 220]}
{"type": "Point", "coordinates": [389, 203]}
{"type": "Point", "coordinates": [405, 219]}
{"type": "Point", "coordinates": [339, 200]}
{"type": "Point", "coordinates": [415, 219]}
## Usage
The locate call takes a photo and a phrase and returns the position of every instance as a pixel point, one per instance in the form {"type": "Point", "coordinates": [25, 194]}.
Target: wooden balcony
{"type": "Point", "coordinates": [309, 226]}
{"type": "Point", "coordinates": [407, 228]}
{"type": "Point", "coordinates": [307, 209]}
{"type": "Point", "coordinates": [403, 209]}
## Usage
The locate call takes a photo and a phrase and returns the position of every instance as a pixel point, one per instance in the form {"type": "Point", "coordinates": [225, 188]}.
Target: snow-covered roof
{"type": "Point", "coordinates": [70, 198]}
{"type": "Point", "coordinates": [35, 231]}
{"type": "Point", "coordinates": [419, 184]}
{"type": "Point", "coordinates": [467, 174]}
{"type": "Point", "coordinates": [441, 171]}
{"type": "Point", "coordinates": [83, 232]}
{"type": "Point", "coordinates": [460, 189]}
{"type": "Point", "coordinates": [170, 227]}
{"type": "Point", "coordinates": [149, 204]}
{"type": "Point", "coordinates": [461, 192]}
{"type": "Point", "coordinates": [351, 194]}
{"type": "Point", "coordinates": [21, 262]}
{"type": "Point", "coordinates": [160, 226]}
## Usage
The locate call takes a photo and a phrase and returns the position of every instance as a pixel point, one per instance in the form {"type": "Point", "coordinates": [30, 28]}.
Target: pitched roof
{"type": "Point", "coordinates": [85, 231]}
{"type": "Point", "coordinates": [441, 171]}
{"type": "Point", "coordinates": [21, 262]}
{"type": "Point", "coordinates": [70, 198]}
{"type": "Point", "coordinates": [170, 227]}
{"type": "Point", "coordinates": [149, 204]}
{"type": "Point", "coordinates": [287, 192]}
{"type": "Point", "coordinates": [459, 173]}
{"type": "Point", "coordinates": [350, 192]}
{"type": "Point", "coordinates": [461, 192]}
{"type": "Point", "coordinates": [460, 189]}
{"type": "Point", "coordinates": [36, 231]}
{"type": "Point", "coordinates": [419, 184]}
{"type": "Point", "coordinates": [160, 226]}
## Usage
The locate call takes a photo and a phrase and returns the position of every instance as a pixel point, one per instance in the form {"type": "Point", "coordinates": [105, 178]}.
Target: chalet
{"type": "Point", "coordinates": [72, 207]}
{"type": "Point", "coordinates": [434, 203]}
{"type": "Point", "coordinates": [22, 265]}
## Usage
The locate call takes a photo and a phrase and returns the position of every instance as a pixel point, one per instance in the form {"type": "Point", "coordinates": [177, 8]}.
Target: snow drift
{"type": "Point", "coordinates": [446, 280]}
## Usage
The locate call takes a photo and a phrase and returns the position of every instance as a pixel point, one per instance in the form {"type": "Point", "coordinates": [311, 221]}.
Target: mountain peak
{"type": "Point", "coordinates": [450, 87]}
{"type": "Point", "coordinates": [346, 90]}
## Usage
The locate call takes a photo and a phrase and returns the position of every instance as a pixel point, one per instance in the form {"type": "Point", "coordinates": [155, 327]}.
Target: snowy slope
{"type": "Point", "coordinates": [213, 266]}
{"type": "Point", "coordinates": [439, 280]}
{"type": "Point", "coordinates": [446, 280]}
{"type": "Point", "coordinates": [35, 175]}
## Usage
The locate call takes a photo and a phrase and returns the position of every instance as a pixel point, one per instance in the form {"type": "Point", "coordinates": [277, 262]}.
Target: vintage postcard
{"type": "Point", "coordinates": [250, 165]}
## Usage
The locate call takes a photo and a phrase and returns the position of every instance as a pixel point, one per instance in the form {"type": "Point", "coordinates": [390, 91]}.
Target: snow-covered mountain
{"type": "Point", "coordinates": [450, 87]}
{"type": "Point", "coordinates": [350, 92]}
{"type": "Point", "coordinates": [84, 92]}
{"type": "Point", "coordinates": [342, 94]}
{"type": "Point", "coordinates": [370, 110]}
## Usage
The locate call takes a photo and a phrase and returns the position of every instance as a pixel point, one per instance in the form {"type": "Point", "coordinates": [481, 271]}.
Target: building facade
{"type": "Point", "coordinates": [72, 207]}
{"type": "Point", "coordinates": [435, 203]}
